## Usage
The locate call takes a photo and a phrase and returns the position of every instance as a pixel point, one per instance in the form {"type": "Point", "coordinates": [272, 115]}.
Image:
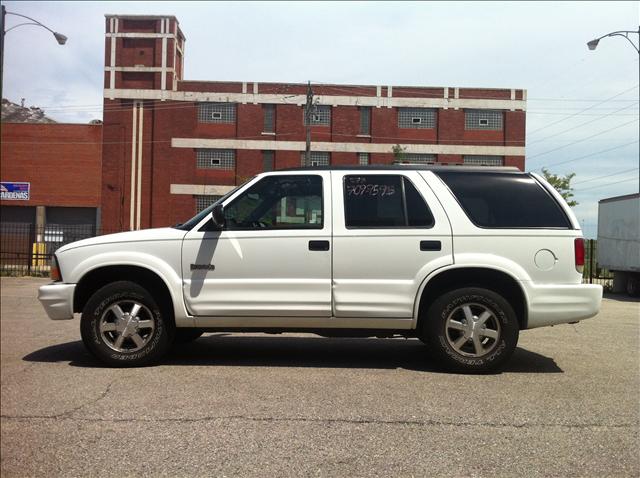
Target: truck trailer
{"type": "Point", "coordinates": [619, 241]}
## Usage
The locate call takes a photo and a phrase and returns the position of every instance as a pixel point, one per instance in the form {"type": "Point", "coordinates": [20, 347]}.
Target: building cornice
{"type": "Point", "coordinates": [342, 147]}
{"type": "Point", "coordinates": [299, 100]}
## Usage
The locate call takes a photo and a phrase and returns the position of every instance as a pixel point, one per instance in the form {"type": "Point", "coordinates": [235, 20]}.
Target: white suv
{"type": "Point", "coordinates": [461, 258]}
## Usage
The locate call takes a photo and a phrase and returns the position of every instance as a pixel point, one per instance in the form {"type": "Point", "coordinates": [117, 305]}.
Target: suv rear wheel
{"type": "Point", "coordinates": [123, 326]}
{"type": "Point", "coordinates": [471, 330]}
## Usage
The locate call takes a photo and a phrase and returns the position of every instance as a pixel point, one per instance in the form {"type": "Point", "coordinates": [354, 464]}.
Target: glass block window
{"type": "Point", "coordinates": [317, 158]}
{"type": "Point", "coordinates": [203, 201]}
{"type": "Point", "coordinates": [419, 158]}
{"type": "Point", "coordinates": [483, 119]}
{"type": "Point", "coordinates": [216, 159]}
{"type": "Point", "coordinates": [269, 118]}
{"type": "Point", "coordinates": [416, 118]}
{"type": "Point", "coordinates": [267, 160]}
{"type": "Point", "coordinates": [363, 159]}
{"type": "Point", "coordinates": [216, 112]}
{"type": "Point", "coordinates": [482, 160]}
{"type": "Point", "coordinates": [320, 115]}
{"type": "Point", "coordinates": [365, 120]}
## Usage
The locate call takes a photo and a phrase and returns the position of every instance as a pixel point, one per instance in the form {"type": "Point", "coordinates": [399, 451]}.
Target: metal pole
{"type": "Point", "coordinates": [591, 253]}
{"type": "Point", "coordinates": [307, 116]}
{"type": "Point", "coordinates": [4, 13]}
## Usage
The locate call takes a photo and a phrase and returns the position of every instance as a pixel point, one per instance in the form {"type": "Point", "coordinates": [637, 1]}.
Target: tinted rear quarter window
{"type": "Point", "coordinates": [384, 201]}
{"type": "Point", "coordinates": [505, 200]}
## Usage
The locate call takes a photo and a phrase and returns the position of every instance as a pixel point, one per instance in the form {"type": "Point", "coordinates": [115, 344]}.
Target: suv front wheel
{"type": "Point", "coordinates": [123, 326]}
{"type": "Point", "coordinates": [471, 330]}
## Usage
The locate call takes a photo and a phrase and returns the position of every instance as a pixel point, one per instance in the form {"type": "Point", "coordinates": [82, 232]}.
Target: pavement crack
{"type": "Point", "coordinates": [350, 421]}
{"type": "Point", "coordinates": [67, 413]}
{"type": "Point", "coordinates": [102, 395]}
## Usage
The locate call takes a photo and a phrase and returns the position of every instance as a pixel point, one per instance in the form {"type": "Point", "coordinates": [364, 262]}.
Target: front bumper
{"type": "Point", "coordinates": [552, 304]}
{"type": "Point", "coordinates": [57, 300]}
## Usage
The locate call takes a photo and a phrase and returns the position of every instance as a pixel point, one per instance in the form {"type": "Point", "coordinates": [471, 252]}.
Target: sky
{"type": "Point", "coordinates": [582, 108]}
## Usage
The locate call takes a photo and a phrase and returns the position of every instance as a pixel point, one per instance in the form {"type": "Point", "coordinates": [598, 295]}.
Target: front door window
{"type": "Point", "coordinates": [278, 202]}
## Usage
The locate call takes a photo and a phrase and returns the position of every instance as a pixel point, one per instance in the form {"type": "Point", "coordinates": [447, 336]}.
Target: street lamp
{"type": "Point", "coordinates": [60, 38]}
{"type": "Point", "coordinates": [593, 44]}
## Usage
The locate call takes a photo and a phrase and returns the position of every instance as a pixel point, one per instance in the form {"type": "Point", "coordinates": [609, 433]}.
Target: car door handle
{"type": "Point", "coordinates": [318, 245]}
{"type": "Point", "coordinates": [430, 246]}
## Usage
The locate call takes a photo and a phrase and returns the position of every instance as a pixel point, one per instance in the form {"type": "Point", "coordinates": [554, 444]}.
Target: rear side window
{"type": "Point", "coordinates": [505, 200]}
{"type": "Point", "coordinates": [384, 201]}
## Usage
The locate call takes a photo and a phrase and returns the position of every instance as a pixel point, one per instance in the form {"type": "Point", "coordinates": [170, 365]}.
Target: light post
{"type": "Point", "coordinates": [593, 44]}
{"type": "Point", "coordinates": [60, 38]}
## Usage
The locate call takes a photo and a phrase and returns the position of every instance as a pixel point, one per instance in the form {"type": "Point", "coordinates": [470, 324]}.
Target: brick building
{"type": "Point", "coordinates": [61, 164]}
{"type": "Point", "coordinates": [171, 146]}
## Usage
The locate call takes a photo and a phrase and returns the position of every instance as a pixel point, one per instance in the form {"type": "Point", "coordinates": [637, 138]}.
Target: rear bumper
{"type": "Point", "coordinates": [57, 300]}
{"type": "Point", "coordinates": [552, 304]}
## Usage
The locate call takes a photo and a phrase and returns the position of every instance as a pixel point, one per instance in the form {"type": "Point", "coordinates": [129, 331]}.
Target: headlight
{"type": "Point", "coordinates": [56, 276]}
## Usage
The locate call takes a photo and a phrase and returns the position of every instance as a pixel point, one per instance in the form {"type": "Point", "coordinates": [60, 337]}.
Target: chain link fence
{"type": "Point", "coordinates": [593, 273]}
{"type": "Point", "coordinates": [26, 250]}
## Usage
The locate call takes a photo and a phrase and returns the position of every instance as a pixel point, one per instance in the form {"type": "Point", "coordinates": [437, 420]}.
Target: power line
{"type": "Point", "coordinates": [96, 106]}
{"type": "Point", "coordinates": [544, 113]}
{"type": "Point", "coordinates": [606, 176]}
{"type": "Point", "coordinates": [584, 124]}
{"type": "Point", "coordinates": [592, 100]}
{"type": "Point", "coordinates": [609, 184]}
{"type": "Point", "coordinates": [585, 109]}
{"type": "Point", "coordinates": [392, 139]}
{"type": "Point", "coordinates": [584, 139]}
{"type": "Point", "coordinates": [589, 155]}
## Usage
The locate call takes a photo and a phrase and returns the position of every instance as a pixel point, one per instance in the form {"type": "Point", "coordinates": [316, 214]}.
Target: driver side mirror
{"type": "Point", "coordinates": [217, 215]}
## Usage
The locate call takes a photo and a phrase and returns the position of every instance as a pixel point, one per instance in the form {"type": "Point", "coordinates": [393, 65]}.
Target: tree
{"type": "Point", "coordinates": [399, 153]}
{"type": "Point", "coordinates": [562, 184]}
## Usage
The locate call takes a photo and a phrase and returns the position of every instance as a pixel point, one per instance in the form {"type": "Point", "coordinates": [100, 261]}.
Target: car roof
{"type": "Point", "coordinates": [419, 167]}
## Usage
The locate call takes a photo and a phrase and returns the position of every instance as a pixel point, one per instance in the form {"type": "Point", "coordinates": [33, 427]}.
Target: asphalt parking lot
{"type": "Point", "coordinates": [256, 405]}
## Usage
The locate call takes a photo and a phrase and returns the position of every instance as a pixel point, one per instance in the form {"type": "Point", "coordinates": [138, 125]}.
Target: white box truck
{"type": "Point", "coordinates": [619, 241]}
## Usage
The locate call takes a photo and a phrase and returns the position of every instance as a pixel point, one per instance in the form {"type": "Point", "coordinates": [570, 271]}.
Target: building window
{"type": "Point", "coordinates": [482, 160]}
{"type": "Point", "coordinates": [483, 119]}
{"type": "Point", "coordinates": [203, 201]}
{"type": "Point", "coordinates": [269, 118]}
{"type": "Point", "coordinates": [363, 159]}
{"type": "Point", "coordinates": [216, 159]}
{"type": "Point", "coordinates": [317, 158]}
{"type": "Point", "coordinates": [216, 112]}
{"type": "Point", "coordinates": [267, 160]}
{"type": "Point", "coordinates": [416, 118]}
{"type": "Point", "coordinates": [365, 120]}
{"type": "Point", "coordinates": [418, 158]}
{"type": "Point", "coordinates": [320, 115]}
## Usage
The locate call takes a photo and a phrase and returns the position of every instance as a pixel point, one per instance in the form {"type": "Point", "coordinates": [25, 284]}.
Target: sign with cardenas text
{"type": "Point", "coordinates": [15, 191]}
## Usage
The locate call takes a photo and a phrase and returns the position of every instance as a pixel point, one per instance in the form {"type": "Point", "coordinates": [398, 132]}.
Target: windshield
{"type": "Point", "coordinates": [195, 220]}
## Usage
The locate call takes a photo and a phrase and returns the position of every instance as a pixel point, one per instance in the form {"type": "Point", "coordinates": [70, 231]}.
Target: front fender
{"type": "Point", "coordinates": [167, 273]}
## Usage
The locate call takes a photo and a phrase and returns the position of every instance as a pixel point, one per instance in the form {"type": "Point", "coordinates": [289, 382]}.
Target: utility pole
{"type": "Point", "coordinates": [308, 115]}
{"type": "Point", "coordinates": [4, 15]}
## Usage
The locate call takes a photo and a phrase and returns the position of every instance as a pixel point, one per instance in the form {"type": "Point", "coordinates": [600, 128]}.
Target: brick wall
{"type": "Point", "coordinates": [61, 161]}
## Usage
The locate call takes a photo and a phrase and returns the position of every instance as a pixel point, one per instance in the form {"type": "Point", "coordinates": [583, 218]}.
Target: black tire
{"type": "Point", "coordinates": [186, 335]}
{"type": "Point", "coordinates": [449, 344]}
{"type": "Point", "coordinates": [153, 340]}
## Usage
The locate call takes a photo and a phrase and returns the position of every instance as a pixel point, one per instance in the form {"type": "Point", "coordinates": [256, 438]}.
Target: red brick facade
{"type": "Point", "coordinates": [152, 132]}
{"type": "Point", "coordinates": [61, 161]}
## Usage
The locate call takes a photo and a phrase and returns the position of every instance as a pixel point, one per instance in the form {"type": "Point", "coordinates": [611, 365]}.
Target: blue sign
{"type": "Point", "coordinates": [15, 191]}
